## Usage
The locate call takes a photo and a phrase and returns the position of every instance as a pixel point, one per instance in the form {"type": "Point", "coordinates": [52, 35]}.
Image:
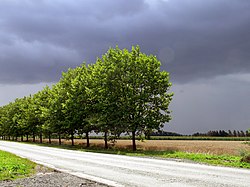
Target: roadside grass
{"type": "Point", "coordinates": [205, 158]}
{"type": "Point", "coordinates": [218, 160]}
{"type": "Point", "coordinates": [13, 167]}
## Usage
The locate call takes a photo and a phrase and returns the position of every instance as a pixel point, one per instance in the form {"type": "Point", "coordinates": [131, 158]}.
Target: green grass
{"type": "Point", "coordinates": [13, 167]}
{"type": "Point", "coordinates": [218, 160]}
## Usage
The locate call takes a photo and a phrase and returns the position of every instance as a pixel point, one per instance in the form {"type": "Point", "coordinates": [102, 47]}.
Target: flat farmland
{"type": "Point", "coordinates": [193, 146]}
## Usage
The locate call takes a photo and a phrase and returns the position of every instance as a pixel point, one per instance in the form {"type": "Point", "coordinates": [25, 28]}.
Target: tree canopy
{"type": "Point", "coordinates": [123, 92]}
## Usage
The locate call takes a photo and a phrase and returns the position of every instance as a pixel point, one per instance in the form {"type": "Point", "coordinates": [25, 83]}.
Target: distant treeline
{"type": "Point", "coordinates": [223, 133]}
{"type": "Point", "coordinates": [165, 133]}
{"type": "Point", "coordinates": [215, 133]}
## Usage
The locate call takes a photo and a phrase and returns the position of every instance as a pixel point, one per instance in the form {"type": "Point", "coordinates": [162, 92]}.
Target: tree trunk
{"type": "Point", "coordinates": [59, 137]}
{"type": "Point", "coordinates": [72, 138]}
{"type": "Point", "coordinates": [106, 139]}
{"type": "Point", "coordinates": [41, 137]}
{"type": "Point", "coordinates": [133, 141]}
{"type": "Point", "coordinates": [147, 134]}
{"type": "Point", "coordinates": [22, 138]}
{"type": "Point", "coordinates": [148, 137]}
{"type": "Point", "coordinates": [34, 137]}
{"type": "Point", "coordinates": [49, 138]}
{"type": "Point", "coordinates": [87, 137]}
{"type": "Point", "coordinates": [27, 138]}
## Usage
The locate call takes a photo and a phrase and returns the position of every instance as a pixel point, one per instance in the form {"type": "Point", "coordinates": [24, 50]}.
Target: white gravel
{"type": "Point", "coordinates": [116, 170]}
{"type": "Point", "coordinates": [52, 179]}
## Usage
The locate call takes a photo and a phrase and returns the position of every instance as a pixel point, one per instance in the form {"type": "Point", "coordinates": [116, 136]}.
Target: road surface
{"type": "Point", "coordinates": [117, 170]}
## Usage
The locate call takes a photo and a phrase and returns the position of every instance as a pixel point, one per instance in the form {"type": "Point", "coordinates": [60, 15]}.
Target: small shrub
{"type": "Point", "coordinates": [245, 156]}
{"type": "Point", "coordinates": [247, 143]}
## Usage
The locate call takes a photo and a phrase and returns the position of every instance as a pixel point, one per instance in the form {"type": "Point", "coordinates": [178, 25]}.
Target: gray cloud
{"type": "Point", "coordinates": [214, 104]}
{"type": "Point", "coordinates": [33, 62]}
{"type": "Point", "coordinates": [193, 39]}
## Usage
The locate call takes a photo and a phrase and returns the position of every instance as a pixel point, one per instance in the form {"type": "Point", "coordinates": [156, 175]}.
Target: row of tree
{"type": "Point", "coordinates": [165, 133]}
{"type": "Point", "coordinates": [123, 92]}
{"type": "Point", "coordinates": [222, 133]}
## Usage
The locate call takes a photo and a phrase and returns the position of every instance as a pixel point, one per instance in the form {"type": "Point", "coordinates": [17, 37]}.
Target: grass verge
{"type": "Point", "coordinates": [13, 167]}
{"type": "Point", "coordinates": [211, 159]}
{"type": "Point", "coordinates": [218, 160]}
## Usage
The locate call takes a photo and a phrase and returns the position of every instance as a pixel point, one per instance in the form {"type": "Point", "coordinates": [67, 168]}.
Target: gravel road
{"type": "Point", "coordinates": [51, 179]}
{"type": "Point", "coordinates": [117, 170]}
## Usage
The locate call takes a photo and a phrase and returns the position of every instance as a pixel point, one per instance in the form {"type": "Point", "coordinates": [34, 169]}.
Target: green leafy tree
{"type": "Point", "coordinates": [43, 99]}
{"type": "Point", "coordinates": [106, 86]}
{"type": "Point", "coordinates": [40, 102]}
{"type": "Point", "coordinates": [10, 120]}
{"type": "Point", "coordinates": [82, 101]}
{"type": "Point", "coordinates": [133, 91]}
{"type": "Point", "coordinates": [124, 92]}
{"type": "Point", "coordinates": [5, 121]}
{"type": "Point", "coordinates": [32, 120]}
{"type": "Point", "coordinates": [19, 117]}
{"type": "Point", "coordinates": [54, 112]}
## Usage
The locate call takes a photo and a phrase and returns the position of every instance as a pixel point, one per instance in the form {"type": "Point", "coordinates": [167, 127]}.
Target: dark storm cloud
{"type": "Point", "coordinates": [215, 104]}
{"type": "Point", "coordinates": [193, 39]}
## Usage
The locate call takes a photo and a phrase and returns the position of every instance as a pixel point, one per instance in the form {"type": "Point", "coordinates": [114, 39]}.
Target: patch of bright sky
{"type": "Point", "coordinates": [153, 3]}
{"type": "Point", "coordinates": [8, 93]}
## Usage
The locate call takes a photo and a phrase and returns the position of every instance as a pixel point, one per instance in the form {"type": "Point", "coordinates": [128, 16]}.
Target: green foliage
{"type": "Point", "coordinates": [123, 92]}
{"type": "Point", "coordinates": [245, 156]}
{"type": "Point", "coordinates": [131, 91]}
{"type": "Point", "coordinates": [12, 167]}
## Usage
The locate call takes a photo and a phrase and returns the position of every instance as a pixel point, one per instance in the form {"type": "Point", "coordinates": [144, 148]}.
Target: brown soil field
{"type": "Point", "coordinates": [194, 146]}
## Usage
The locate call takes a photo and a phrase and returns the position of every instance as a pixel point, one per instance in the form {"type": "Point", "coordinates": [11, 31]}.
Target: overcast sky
{"type": "Point", "coordinates": [205, 45]}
